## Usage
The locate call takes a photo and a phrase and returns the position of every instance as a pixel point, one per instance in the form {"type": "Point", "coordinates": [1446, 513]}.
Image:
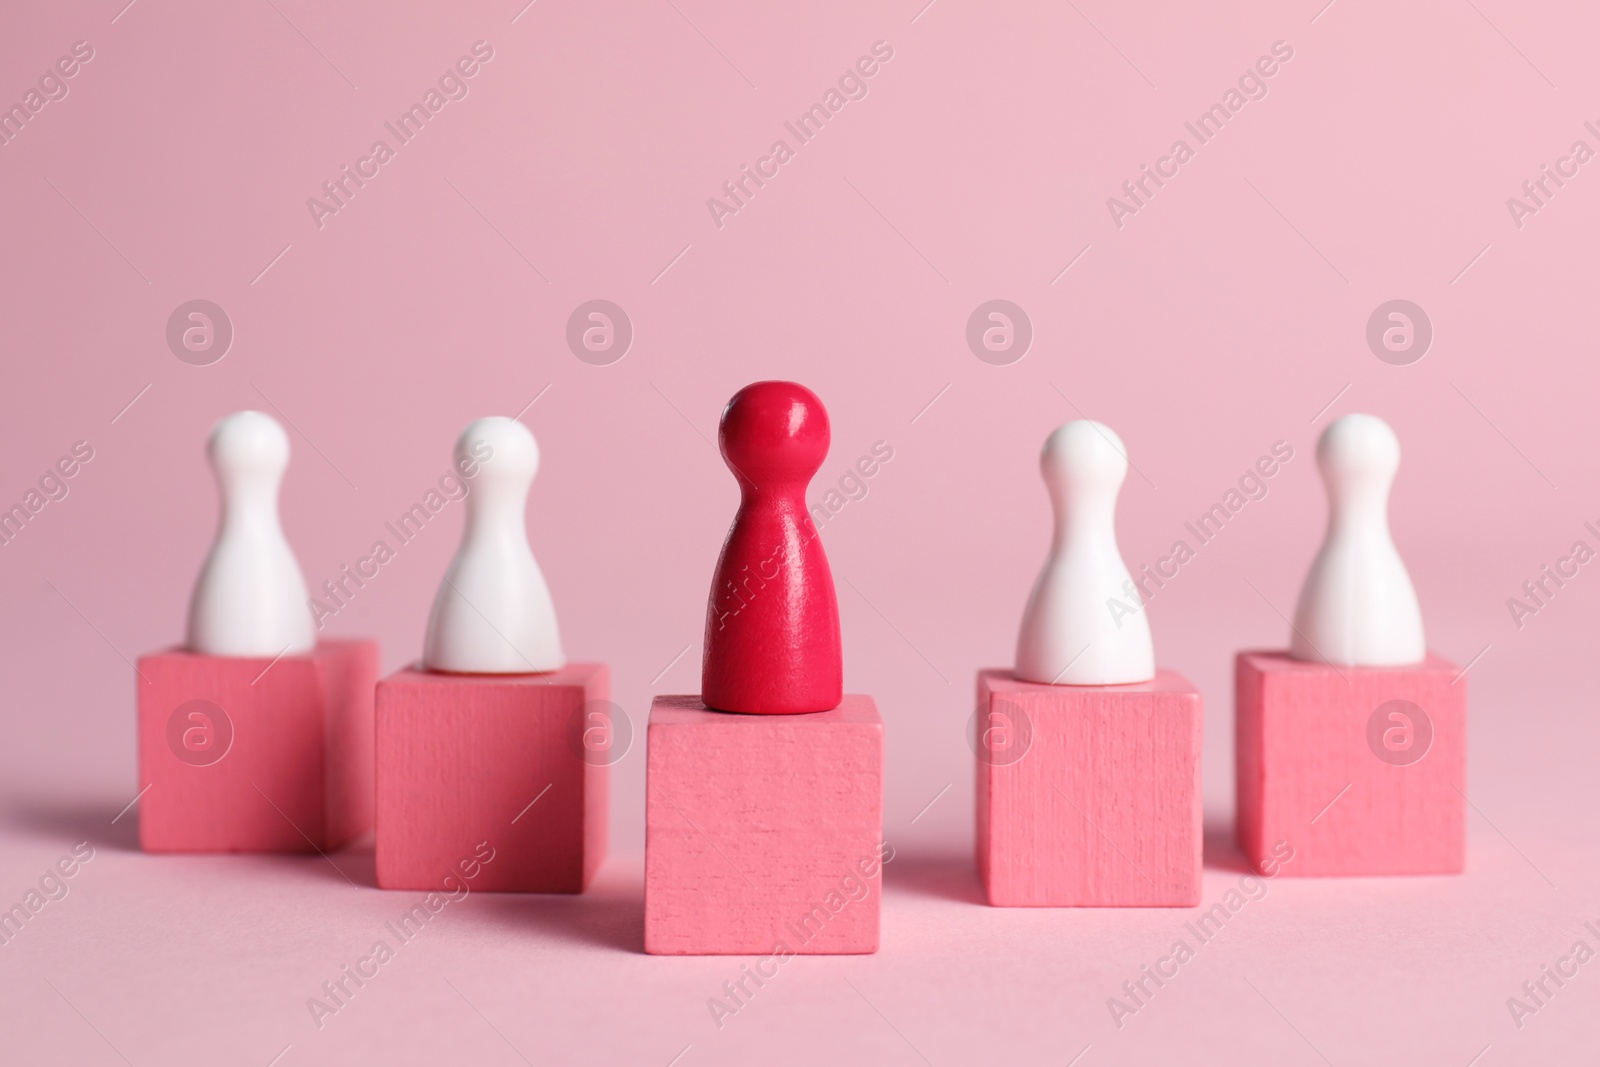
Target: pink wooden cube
{"type": "Point", "coordinates": [516, 760]}
{"type": "Point", "coordinates": [255, 754]}
{"type": "Point", "coordinates": [1359, 770]}
{"type": "Point", "coordinates": [1088, 795]}
{"type": "Point", "coordinates": [762, 832]}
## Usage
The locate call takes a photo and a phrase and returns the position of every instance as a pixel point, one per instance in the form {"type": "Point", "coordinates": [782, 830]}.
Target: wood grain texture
{"type": "Point", "coordinates": [460, 758]}
{"type": "Point", "coordinates": [1093, 798]}
{"type": "Point", "coordinates": [1309, 774]}
{"type": "Point", "coordinates": [763, 831]}
{"type": "Point", "coordinates": [297, 773]}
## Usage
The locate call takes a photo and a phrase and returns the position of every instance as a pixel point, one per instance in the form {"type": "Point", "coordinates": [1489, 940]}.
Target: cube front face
{"type": "Point", "coordinates": [252, 755]}
{"type": "Point", "coordinates": [1089, 796]}
{"type": "Point", "coordinates": [467, 759]}
{"type": "Point", "coordinates": [763, 832]}
{"type": "Point", "coordinates": [1358, 770]}
{"type": "Point", "coordinates": [350, 678]}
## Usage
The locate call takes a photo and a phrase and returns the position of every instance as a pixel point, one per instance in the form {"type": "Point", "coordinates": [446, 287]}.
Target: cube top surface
{"type": "Point", "coordinates": [573, 674]}
{"type": "Point", "coordinates": [856, 709]}
{"type": "Point", "coordinates": [326, 646]}
{"type": "Point", "coordinates": [1278, 661]}
{"type": "Point", "coordinates": [1002, 680]}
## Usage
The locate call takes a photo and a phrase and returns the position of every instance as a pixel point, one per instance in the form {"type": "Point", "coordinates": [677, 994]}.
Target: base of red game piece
{"type": "Point", "coordinates": [1088, 795]}
{"type": "Point", "coordinates": [1361, 770]}
{"type": "Point", "coordinates": [763, 833]}
{"type": "Point", "coordinates": [506, 759]}
{"type": "Point", "coordinates": [255, 754]}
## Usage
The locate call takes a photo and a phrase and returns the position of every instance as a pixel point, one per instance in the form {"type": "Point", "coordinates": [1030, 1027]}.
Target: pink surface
{"type": "Point", "coordinates": [1361, 770]}
{"type": "Point", "coordinates": [242, 754]}
{"type": "Point", "coordinates": [1094, 801]}
{"type": "Point", "coordinates": [763, 834]}
{"type": "Point", "coordinates": [1222, 317]}
{"type": "Point", "coordinates": [499, 760]}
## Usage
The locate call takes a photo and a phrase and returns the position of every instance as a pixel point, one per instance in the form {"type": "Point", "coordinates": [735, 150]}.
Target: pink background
{"type": "Point", "coordinates": [1224, 316]}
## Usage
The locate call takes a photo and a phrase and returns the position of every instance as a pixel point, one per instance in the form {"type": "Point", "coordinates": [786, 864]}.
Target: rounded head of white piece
{"type": "Point", "coordinates": [1359, 452]}
{"type": "Point", "coordinates": [514, 454]}
{"type": "Point", "coordinates": [1084, 623]}
{"type": "Point", "coordinates": [1357, 607]}
{"type": "Point", "coordinates": [493, 613]}
{"type": "Point", "coordinates": [248, 444]}
{"type": "Point", "coordinates": [250, 598]}
{"type": "Point", "coordinates": [1087, 460]}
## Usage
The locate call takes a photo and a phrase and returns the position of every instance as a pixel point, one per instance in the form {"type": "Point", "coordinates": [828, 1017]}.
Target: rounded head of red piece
{"type": "Point", "coordinates": [774, 432]}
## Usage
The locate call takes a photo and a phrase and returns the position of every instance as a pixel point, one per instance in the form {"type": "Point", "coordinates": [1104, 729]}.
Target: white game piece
{"type": "Point", "coordinates": [1357, 607]}
{"type": "Point", "coordinates": [1072, 632]}
{"type": "Point", "coordinates": [493, 613]}
{"type": "Point", "coordinates": [250, 599]}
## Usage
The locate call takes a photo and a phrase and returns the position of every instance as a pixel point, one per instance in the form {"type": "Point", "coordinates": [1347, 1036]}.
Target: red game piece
{"type": "Point", "coordinates": [772, 624]}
